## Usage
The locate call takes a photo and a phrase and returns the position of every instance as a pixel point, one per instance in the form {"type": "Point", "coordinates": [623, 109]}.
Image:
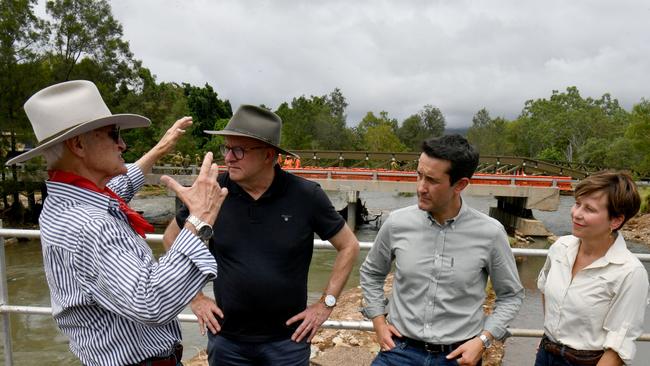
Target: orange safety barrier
{"type": "Point", "coordinates": [564, 183]}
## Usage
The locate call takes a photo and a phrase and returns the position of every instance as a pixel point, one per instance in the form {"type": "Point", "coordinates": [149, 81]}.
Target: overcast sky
{"type": "Point", "coordinates": [396, 56]}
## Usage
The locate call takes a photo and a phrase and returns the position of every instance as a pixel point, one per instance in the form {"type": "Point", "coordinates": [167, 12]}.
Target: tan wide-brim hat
{"type": "Point", "coordinates": [69, 109]}
{"type": "Point", "coordinates": [257, 123]}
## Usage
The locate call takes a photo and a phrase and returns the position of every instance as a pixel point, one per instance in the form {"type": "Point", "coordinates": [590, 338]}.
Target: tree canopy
{"type": "Point", "coordinates": [82, 40]}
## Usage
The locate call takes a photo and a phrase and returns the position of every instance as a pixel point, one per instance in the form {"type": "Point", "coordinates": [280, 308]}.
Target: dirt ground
{"type": "Point", "coordinates": [638, 229]}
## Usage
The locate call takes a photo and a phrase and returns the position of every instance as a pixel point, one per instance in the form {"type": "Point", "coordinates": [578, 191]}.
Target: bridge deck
{"type": "Point", "coordinates": [542, 192]}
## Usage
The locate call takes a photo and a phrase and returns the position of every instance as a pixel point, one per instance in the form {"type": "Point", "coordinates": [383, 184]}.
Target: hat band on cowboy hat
{"type": "Point", "coordinates": [69, 109]}
{"type": "Point", "coordinates": [257, 123]}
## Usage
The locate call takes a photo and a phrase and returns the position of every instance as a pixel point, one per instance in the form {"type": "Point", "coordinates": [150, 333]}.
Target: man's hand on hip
{"type": "Point", "coordinates": [469, 353]}
{"type": "Point", "coordinates": [207, 311]}
{"type": "Point", "coordinates": [312, 318]}
{"type": "Point", "coordinates": [385, 332]}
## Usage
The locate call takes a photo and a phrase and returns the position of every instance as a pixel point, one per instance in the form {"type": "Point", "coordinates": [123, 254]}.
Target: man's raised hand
{"type": "Point", "coordinates": [205, 196]}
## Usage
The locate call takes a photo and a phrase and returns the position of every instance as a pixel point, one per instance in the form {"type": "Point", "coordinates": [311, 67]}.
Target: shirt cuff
{"type": "Point", "coordinates": [373, 311]}
{"type": "Point", "coordinates": [499, 333]}
{"type": "Point", "coordinates": [135, 175]}
{"type": "Point", "coordinates": [618, 342]}
{"type": "Point", "coordinates": [192, 247]}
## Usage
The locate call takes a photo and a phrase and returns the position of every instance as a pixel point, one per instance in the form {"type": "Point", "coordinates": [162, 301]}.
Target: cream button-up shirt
{"type": "Point", "coordinates": [602, 307]}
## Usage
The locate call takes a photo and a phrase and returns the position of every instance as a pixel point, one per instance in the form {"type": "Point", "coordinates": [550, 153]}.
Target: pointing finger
{"type": "Point", "coordinates": [206, 165]}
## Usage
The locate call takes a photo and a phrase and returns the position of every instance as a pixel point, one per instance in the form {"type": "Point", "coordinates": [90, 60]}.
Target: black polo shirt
{"type": "Point", "coordinates": [263, 250]}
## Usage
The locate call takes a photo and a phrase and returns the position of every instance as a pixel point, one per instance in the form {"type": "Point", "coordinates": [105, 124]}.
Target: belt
{"type": "Point", "coordinates": [171, 360]}
{"type": "Point", "coordinates": [574, 356]}
{"type": "Point", "coordinates": [432, 347]}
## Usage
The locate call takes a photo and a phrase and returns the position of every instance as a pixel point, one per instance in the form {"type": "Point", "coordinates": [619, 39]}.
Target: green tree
{"type": "Point", "coordinates": [638, 136]}
{"type": "Point", "coordinates": [378, 133]}
{"type": "Point", "coordinates": [412, 132]}
{"type": "Point", "coordinates": [565, 122]}
{"type": "Point", "coordinates": [163, 104]}
{"type": "Point", "coordinates": [489, 135]}
{"type": "Point", "coordinates": [86, 29]}
{"type": "Point", "coordinates": [382, 138]}
{"type": "Point", "coordinates": [206, 108]}
{"type": "Point", "coordinates": [370, 120]}
{"type": "Point", "coordinates": [21, 72]}
{"type": "Point", "coordinates": [433, 120]}
{"type": "Point", "coordinates": [428, 122]}
{"type": "Point", "coordinates": [317, 122]}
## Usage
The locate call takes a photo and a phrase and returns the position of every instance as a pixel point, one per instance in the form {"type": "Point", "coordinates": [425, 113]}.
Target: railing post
{"type": "Point", "coordinates": [4, 299]}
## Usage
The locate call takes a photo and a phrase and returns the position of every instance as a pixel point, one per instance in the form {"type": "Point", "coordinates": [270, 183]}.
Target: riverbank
{"type": "Point", "coordinates": [638, 229]}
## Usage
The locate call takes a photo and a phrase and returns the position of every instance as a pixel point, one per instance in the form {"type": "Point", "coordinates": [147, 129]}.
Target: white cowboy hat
{"type": "Point", "coordinates": [257, 123]}
{"type": "Point", "coordinates": [69, 109]}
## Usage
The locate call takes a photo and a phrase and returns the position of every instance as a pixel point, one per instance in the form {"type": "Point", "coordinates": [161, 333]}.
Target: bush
{"type": "Point", "coordinates": [644, 192]}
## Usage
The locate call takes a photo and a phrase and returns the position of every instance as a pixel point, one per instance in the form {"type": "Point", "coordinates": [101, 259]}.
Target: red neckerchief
{"type": "Point", "coordinates": [137, 222]}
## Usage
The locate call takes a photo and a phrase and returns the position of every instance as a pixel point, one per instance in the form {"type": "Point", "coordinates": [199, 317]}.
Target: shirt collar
{"type": "Point", "coordinates": [277, 187]}
{"type": "Point", "coordinates": [81, 195]}
{"type": "Point", "coordinates": [451, 222]}
{"type": "Point", "coordinates": [617, 253]}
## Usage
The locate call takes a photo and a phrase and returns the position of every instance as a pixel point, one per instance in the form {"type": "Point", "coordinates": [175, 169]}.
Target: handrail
{"type": "Point", "coordinates": [318, 244]}
{"type": "Point", "coordinates": [366, 325]}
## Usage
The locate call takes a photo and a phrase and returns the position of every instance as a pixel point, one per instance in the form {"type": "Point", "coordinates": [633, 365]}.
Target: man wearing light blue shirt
{"type": "Point", "coordinates": [443, 252]}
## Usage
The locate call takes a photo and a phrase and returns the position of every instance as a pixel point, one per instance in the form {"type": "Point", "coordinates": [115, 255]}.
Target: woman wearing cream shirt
{"type": "Point", "coordinates": [594, 289]}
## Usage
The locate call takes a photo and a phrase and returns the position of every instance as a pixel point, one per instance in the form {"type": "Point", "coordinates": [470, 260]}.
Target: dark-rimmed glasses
{"type": "Point", "coordinates": [114, 133]}
{"type": "Point", "coordinates": [237, 151]}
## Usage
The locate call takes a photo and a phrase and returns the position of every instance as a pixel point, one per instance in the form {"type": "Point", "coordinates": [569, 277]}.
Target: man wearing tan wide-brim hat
{"type": "Point", "coordinates": [263, 243]}
{"type": "Point", "coordinates": [110, 296]}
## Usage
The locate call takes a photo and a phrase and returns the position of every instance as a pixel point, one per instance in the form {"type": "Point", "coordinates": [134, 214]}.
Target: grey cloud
{"type": "Point", "coordinates": [459, 56]}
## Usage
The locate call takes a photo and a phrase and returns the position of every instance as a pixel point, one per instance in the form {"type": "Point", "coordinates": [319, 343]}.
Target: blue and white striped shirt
{"type": "Point", "coordinates": [114, 301]}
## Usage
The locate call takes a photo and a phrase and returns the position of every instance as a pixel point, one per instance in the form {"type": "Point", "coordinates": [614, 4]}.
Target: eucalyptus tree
{"type": "Point", "coordinates": [21, 73]}
{"type": "Point", "coordinates": [86, 29]}
{"type": "Point", "coordinates": [316, 122]}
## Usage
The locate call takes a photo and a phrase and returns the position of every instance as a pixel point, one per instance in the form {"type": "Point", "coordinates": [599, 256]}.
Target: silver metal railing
{"type": "Point", "coordinates": [6, 309]}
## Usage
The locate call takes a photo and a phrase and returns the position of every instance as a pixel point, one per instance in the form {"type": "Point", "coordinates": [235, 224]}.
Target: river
{"type": "Point", "coordinates": [36, 340]}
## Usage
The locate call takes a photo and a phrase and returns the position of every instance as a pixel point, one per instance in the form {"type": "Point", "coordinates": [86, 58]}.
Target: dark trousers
{"type": "Point", "coordinates": [547, 359]}
{"type": "Point", "coordinates": [227, 352]}
{"type": "Point", "coordinates": [555, 354]}
{"type": "Point", "coordinates": [404, 355]}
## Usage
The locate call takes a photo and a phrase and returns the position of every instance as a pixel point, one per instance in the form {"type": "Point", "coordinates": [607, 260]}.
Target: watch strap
{"type": "Point", "coordinates": [198, 225]}
{"type": "Point", "coordinates": [487, 343]}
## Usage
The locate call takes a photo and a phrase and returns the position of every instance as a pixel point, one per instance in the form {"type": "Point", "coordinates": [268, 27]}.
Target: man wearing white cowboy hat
{"type": "Point", "coordinates": [264, 247]}
{"type": "Point", "coordinates": [114, 301]}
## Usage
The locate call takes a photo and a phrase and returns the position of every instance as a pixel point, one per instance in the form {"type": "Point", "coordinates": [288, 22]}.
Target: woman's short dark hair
{"type": "Point", "coordinates": [622, 195]}
{"type": "Point", "coordinates": [457, 150]}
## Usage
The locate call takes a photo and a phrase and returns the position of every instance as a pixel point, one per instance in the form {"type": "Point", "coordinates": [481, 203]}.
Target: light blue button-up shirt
{"type": "Point", "coordinates": [441, 272]}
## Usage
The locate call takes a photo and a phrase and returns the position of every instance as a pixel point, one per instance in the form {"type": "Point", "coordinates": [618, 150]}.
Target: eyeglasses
{"type": "Point", "coordinates": [114, 133]}
{"type": "Point", "coordinates": [237, 151]}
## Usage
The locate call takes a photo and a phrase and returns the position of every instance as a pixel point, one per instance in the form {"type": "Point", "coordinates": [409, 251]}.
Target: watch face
{"type": "Point", "coordinates": [205, 233]}
{"type": "Point", "coordinates": [330, 300]}
{"type": "Point", "coordinates": [486, 341]}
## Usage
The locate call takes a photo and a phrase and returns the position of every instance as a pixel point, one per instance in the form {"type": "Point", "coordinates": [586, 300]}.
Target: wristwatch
{"type": "Point", "coordinates": [328, 300]}
{"type": "Point", "coordinates": [487, 343]}
{"type": "Point", "coordinates": [203, 230]}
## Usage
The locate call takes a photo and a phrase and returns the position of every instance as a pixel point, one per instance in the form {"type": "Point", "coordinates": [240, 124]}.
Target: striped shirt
{"type": "Point", "coordinates": [110, 296]}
